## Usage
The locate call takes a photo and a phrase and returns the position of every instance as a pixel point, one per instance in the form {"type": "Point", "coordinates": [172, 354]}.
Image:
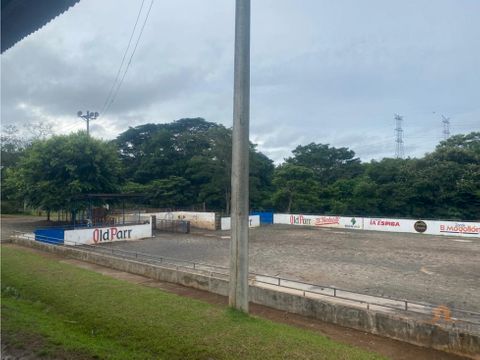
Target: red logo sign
{"type": "Point", "coordinates": [460, 229]}
{"type": "Point", "coordinates": [110, 234]}
{"type": "Point", "coordinates": [381, 222]}
{"type": "Point", "coordinates": [327, 220]}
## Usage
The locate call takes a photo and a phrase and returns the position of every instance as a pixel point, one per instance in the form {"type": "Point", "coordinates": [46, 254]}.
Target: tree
{"type": "Point", "coordinates": [13, 145]}
{"type": "Point", "coordinates": [14, 141]}
{"type": "Point", "coordinates": [156, 151]}
{"type": "Point", "coordinates": [131, 146]}
{"type": "Point", "coordinates": [392, 185]}
{"type": "Point", "coordinates": [173, 191]}
{"type": "Point", "coordinates": [53, 171]}
{"type": "Point", "coordinates": [453, 173]}
{"type": "Point", "coordinates": [328, 163]}
{"type": "Point", "coordinates": [210, 170]}
{"type": "Point", "coordinates": [296, 188]}
{"type": "Point", "coordinates": [261, 180]}
{"type": "Point", "coordinates": [196, 150]}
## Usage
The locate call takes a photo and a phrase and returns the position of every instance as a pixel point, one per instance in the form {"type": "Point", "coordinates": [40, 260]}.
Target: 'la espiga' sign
{"type": "Point", "coordinates": [111, 234]}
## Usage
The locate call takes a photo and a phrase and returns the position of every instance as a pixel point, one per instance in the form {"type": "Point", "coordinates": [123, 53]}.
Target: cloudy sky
{"type": "Point", "coordinates": [322, 71]}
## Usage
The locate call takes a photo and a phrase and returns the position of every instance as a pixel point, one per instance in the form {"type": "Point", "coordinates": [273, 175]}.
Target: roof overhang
{"type": "Point", "coordinates": [21, 18]}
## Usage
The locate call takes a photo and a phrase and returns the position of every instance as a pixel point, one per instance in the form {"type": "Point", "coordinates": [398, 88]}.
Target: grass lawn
{"type": "Point", "coordinates": [68, 312]}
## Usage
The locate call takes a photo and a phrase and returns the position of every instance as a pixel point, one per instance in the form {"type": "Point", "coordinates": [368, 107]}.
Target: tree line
{"type": "Point", "coordinates": [188, 162]}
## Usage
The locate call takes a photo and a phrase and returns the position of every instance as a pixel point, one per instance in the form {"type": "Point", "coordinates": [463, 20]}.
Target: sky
{"type": "Point", "coordinates": [330, 72]}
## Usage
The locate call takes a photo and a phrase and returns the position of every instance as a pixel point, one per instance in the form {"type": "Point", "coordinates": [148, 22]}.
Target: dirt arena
{"type": "Point", "coordinates": [435, 269]}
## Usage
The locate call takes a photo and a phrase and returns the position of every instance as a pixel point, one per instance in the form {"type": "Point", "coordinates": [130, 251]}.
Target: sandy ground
{"type": "Point", "coordinates": [435, 269]}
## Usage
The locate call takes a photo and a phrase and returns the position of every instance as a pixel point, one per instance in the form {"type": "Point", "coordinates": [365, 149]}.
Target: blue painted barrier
{"type": "Point", "coordinates": [266, 217]}
{"type": "Point", "coordinates": [51, 236]}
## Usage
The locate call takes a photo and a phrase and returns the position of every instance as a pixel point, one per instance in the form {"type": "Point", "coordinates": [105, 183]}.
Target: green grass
{"type": "Point", "coordinates": [82, 313]}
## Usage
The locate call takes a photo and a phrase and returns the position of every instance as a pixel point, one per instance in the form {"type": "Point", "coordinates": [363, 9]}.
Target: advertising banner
{"type": "Point", "coordinates": [453, 228]}
{"type": "Point", "coordinates": [431, 227]}
{"type": "Point", "coordinates": [101, 235]}
{"type": "Point", "coordinates": [254, 221]}
{"type": "Point", "coordinates": [352, 222]}
{"type": "Point", "coordinates": [387, 224]}
{"type": "Point", "coordinates": [319, 221]}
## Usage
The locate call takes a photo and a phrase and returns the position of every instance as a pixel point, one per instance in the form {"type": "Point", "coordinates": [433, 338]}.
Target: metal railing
{"type": "Point", "coordinates": [174, 226]}
{"type": "Point", "coordinates": [446, 316]}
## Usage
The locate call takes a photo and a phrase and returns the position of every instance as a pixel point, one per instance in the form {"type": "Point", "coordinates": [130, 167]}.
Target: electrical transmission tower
{"type": "Point", "coordinates": [446, 127]}
{"type": "Point", "coordinates": [399, 148]}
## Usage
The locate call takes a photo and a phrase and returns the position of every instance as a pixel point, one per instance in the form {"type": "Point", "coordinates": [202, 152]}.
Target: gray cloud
{"type": "Point", "coordinates": [321, 71]}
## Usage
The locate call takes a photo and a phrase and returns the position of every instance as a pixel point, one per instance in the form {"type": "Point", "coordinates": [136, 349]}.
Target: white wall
{"type": "Point", "coordinates": [254, 221]}
{"type": "Point", "coordinates": [417, 226]}
{"type": "Point", "coordinates": [200, 220]}
{"type": "Point", "coordinates": [107, 234]}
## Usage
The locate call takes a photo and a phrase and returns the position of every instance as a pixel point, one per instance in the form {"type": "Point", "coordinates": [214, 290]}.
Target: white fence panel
{"type": "Point", "coordinates": [253, 221]}
{"type": "Point", "coordinates": [432, 227]}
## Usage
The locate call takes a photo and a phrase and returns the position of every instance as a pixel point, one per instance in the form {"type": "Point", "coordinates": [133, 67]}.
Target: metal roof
{"type": "Point", "coordinates": [21, 18]}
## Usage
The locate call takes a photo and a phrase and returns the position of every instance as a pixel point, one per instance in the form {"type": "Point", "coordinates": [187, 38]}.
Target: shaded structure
{"type": "Point", "coordinates": [94, 221]}
{"type": "Point", "coordinates": [99, 215]}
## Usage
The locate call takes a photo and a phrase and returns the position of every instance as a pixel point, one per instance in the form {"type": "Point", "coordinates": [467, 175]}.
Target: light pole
{"type": "Point", "coordinates": [238, 288]}
{"type": "Point", "coordinates": [87, 117]}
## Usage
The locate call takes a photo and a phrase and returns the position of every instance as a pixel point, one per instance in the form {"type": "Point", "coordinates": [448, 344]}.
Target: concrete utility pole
{"type": "Point", "coordinates": [238, 292]}
{"type": "Point", "coordinates": [87, 117]}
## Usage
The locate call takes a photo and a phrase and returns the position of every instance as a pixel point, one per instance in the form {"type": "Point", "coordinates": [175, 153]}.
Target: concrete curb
{"type": "Point", "coordinates": [418, 330]}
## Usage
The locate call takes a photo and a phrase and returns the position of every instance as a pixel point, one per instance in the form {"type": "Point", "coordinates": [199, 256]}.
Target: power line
{"type": "Point", "coordinates": [123, 59]}
{"type": "Point", "coordinates": [69, 127]}
{"type": "Point", "coordinates": [129, 61]}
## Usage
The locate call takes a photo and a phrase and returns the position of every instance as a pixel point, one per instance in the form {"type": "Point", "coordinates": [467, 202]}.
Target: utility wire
{"type": "Point", "coordinates": [68, 128]}
{"type": "Point", "coordinates": [123, 60]}
{"type": "Point", "coordinates": [129, 61]}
